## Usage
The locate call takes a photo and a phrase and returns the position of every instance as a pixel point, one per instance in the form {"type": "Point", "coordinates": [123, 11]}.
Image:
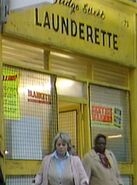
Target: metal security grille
{"type": "Point", "coordinates": [68, 64]}
{"type": "Point", "coordinates": [107, 73]}
{"type": "Point", "coordinates": [109, 110]}
{"type": "Point", "coordinates": [23, 54]}
{"type": "Point", "coordinates": [19, 180]}
{"type": "Point", "coordinates": [30, 115]}
{"type": "Point", "coordinates": [67, 123]}
{"type": "Point", "coordinates": [127, 180]}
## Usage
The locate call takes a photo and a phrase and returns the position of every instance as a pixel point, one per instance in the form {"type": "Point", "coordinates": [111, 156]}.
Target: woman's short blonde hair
{"type": "Point", "coordinates": [66, 139]}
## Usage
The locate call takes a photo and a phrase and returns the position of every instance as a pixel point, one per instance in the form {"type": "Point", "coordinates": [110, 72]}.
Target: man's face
{"type": "Point", "coordinates": [100, 145]}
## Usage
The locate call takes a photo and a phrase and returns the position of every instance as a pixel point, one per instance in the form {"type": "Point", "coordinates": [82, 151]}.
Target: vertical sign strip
{"type": "Point", "coordinates": [10, 93]}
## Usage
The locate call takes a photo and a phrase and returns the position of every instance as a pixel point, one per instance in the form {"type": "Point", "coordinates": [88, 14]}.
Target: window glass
{"type": "Point", "coordinates": [18, 180]}
{"type": "Point", "coordinates": [28, 113]}
{"type": "Point", "coordinates": [127, 180]}
{"type": "Point", "coordinates": [109, 110]}
{"type": "Point", "coordinates": [69, 87]}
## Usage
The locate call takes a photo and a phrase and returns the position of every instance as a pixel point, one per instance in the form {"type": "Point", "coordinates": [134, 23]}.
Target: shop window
{"type": "Point", "coordinates": [69, 87]}
{"type": "Point", "coordinates": [127, 180]}
{"type": "Point", "coordinates": [18, 180]}
{"type": "Point", "coordinates": [29, 113]}
{"type": "Point", "coordinates": [27, 180]}
{"type": "Point", "coordinates": [109, 111]}
{"type": "Point", "coordinates": [23, 54]}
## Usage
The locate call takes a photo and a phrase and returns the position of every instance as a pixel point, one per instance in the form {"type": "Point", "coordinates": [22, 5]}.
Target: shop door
{"type": "Point", "coordinates": [72, 119]}
{"type": "Point", "coordinates": [69, 120]}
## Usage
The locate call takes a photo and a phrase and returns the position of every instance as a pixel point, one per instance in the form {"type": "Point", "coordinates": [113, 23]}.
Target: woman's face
{"type": "Point", "coordinates": [61, 147]}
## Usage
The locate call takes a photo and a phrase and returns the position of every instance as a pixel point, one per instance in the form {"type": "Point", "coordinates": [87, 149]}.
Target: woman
{"type": "Point", "coordinates": [60, 167]}
{"type": "Point", "coordinates": [100, 164]}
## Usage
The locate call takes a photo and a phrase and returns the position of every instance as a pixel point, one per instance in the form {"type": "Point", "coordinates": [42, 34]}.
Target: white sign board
{"type": "Point", "coordinates": [21, 4]}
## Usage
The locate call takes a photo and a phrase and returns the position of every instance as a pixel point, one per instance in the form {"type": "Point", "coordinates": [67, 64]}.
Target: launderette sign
{"type": "Point", "coordinates": [84, 32]}
{"type": "Point", "coordinates": [88, 27]}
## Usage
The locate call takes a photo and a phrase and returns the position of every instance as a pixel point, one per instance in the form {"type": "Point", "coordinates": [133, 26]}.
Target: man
{"type": "Point", "coordinates": [100, 164]}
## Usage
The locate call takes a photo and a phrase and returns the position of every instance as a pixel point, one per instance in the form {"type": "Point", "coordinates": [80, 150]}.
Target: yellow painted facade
{"type": "Point", "coordinates": [96, 29]}
{"type": "Point", "coordinates": [104, 31]}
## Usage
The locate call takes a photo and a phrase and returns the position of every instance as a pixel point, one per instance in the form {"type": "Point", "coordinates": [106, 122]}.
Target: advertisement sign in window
{"type": "Point", "coordinates": [106, 115]}
{"type": "Point", "coordinates": [10, 92]}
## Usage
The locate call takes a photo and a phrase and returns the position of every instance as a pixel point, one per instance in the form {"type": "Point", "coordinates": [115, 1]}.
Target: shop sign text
{"type": "Point", "coordinates": [71, 28]}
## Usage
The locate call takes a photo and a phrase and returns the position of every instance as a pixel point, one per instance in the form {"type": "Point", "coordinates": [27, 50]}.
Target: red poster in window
{"type": "Point", "coordinates": [102, 113]}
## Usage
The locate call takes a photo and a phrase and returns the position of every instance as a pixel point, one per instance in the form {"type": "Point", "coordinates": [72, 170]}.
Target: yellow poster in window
{"type": "Point", "coordinates": [10, 94]}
